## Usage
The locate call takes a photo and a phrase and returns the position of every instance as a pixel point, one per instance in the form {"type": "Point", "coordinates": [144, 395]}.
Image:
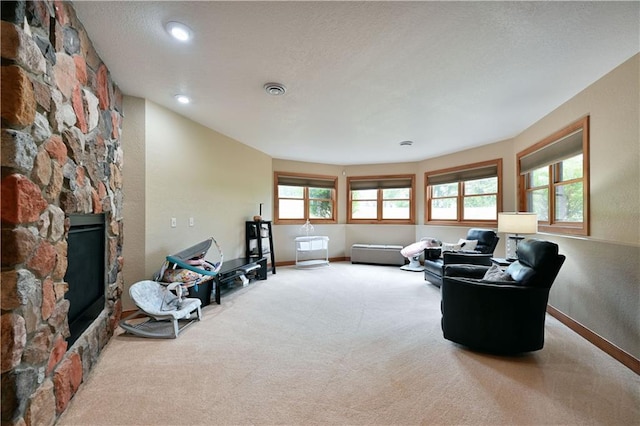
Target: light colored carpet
{"type": "Point", "coordinates": [346, 344]}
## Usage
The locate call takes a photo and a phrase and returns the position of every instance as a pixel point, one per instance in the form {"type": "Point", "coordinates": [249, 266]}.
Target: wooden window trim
{"type": "Point", "coordinates": [554, 226]}
{"type": "Point", "coordinates": [379, 220]}
{"type": "Point", "coordinates": [461, 196]}
{"type": "Point", "coordinates": [276, 204]}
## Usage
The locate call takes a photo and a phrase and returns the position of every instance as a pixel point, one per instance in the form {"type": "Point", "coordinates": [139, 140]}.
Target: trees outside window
{"type": "Point", "coordinates": [381, 199]}
{"type": "Point", "coordinates": [470, 194]}
{"type": "Point", "coordinates": [554, 180]}
{"type": "Point", "coordinates": [301, 197]}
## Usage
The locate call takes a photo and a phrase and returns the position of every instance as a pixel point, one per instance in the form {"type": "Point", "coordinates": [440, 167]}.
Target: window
{"type": "Point", "coordinates": [469, 194]}
{"type": "Point", "coordinates": [554, 180]}
{"type": "Point", "coordinates": [381, 199]}
{"type": "Point", "coordinates": [299, 197]}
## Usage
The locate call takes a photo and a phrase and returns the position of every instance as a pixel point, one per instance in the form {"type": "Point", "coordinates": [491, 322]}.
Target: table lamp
{"type": "Point", "coordinates": [516, 224]}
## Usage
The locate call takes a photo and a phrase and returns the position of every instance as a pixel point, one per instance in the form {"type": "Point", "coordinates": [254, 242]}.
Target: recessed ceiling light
{"type": "Point", "coordinates": [183, 99]}
{"type": "Point", "coordinates": [179, 31]}
{"type": "Point", "coordinates": [275, 89]}
{"type": "Point", "coordinates": [406, 143]}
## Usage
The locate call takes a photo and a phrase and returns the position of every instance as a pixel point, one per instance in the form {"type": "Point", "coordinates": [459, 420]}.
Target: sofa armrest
{"type": "Point", "coordinates": [432, 253]}
{"type": "Point", "coordinates": [465, 271]}
{"type": "Point", "coordinates": [466, 258]}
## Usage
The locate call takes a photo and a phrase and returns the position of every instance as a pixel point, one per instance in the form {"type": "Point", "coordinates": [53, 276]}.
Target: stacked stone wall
{"type": "Point", "coordinates": [61, 154]}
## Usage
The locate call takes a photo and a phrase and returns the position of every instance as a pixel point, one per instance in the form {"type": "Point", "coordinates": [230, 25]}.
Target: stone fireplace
{"type": "Point", "coordinates": [61, 160]}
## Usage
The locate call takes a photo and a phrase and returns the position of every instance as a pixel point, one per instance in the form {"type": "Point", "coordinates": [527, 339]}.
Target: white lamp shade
{"type": "Point", "coordinates": [518, 223]}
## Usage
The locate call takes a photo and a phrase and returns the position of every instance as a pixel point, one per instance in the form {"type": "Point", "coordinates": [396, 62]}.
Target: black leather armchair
{"type": "Point", "coordinates": [503, 317]}
{"type": "Point", "coordinates": [434, 263]}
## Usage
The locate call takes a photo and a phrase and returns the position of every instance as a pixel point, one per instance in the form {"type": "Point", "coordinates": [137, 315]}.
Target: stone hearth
{"type": "Point", "coordinates": [61, 155]}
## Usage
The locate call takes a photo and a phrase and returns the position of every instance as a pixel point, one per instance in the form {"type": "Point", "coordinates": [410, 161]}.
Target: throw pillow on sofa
{"type": "Point", "coordinates": [496, 274]}
{"type": "Point", "coordinates": [451, 247]}
{"type": "Point", "coordinates": [467, 245]}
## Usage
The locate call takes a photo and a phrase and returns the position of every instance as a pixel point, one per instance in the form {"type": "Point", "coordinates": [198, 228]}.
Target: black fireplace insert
{"type": "Point", "coordinates": [85, 275]}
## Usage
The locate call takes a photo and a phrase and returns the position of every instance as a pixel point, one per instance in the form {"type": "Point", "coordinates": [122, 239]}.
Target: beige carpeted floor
{"type": "Point", "coordinates": [346, 344]}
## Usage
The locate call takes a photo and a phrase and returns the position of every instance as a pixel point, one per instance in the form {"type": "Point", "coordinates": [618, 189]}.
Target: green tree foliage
{"type": "Point", "coordinates": [569, 196]}
{"type": "Point", "coordinates": [320, 206]}
{"type": "Point", "coordinates": [480, 192]}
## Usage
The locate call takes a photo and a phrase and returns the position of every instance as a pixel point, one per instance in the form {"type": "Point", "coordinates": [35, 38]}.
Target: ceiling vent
{"type": "Point", "coordinates": [275, 89]}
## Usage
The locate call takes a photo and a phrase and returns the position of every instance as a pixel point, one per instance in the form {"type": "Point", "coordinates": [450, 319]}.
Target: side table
{"type": "Point", "coordinates": [501, 261]}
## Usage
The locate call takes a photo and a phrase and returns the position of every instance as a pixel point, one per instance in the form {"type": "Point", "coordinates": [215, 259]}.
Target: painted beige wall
{"type": "Point", "coordinates": [133, 178]}
{"type": "Point", "coordinates": [342, 235]}
{"type": "Point", "coordinates": [612, 104]}
{"type": "Point", "coordinates": [193, 171]}
{"type": "Point", "coordinates": [382, 234]}
{"type": "Point", "coordinates": [599, 285]}
{"type": "Point", "coordinates": [175, 167]}
{"type": "Point", "coordinates": [503, 150]}
{"type": "Point", "coordinates": [284, 235]}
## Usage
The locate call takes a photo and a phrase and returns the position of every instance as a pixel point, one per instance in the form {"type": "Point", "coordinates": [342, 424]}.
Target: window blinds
{"type": "Point", "coordinates": [308, 181]}
{"type": "Point", "coordinates": [567, 147]}
{"type": "Point", "coordinates": [380, 183]}
{"type": "Point", "coordinates": [463, 175]}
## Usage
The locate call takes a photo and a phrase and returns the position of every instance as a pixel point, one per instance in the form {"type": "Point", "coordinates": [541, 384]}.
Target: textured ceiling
{"type": "Point", "coordinates": [363, 76]}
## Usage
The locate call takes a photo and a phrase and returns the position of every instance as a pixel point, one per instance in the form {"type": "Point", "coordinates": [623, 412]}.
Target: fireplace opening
{"type": "Point", "coordinates": [85, 272]}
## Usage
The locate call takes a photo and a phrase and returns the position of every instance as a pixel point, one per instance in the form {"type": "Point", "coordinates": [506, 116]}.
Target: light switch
{"type": "Point", "coordinates": [173, 222]}
{"type": "Point", "coordinates": [191, 222]}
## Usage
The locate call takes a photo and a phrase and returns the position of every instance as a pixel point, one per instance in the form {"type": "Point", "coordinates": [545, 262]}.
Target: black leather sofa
{"type": "Point", "coordinates": [434, 263]}
{"type": "Point", "coordinates": [505, 316]}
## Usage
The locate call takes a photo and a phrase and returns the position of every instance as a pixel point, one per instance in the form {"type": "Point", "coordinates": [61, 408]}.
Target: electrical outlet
{"type": "Point", "coordinates": [191, 222]}
{"type": "Point", "coordinates": [174, 222]}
